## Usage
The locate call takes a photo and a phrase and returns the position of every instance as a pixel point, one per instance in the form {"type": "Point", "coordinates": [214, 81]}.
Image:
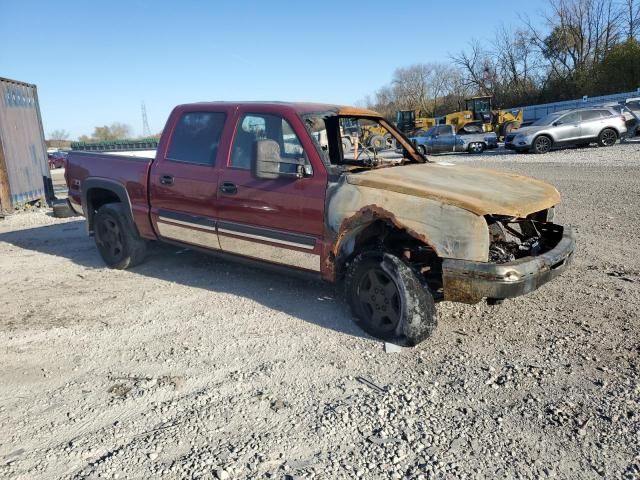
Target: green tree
{"type": "Point", "coordinates": [620, 69]}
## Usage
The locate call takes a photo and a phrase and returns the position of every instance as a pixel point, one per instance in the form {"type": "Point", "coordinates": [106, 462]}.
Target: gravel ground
{"type": "Point", "coordinates": [190, 366]}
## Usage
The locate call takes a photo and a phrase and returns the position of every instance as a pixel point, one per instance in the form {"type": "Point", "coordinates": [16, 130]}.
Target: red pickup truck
{"type": "Point", "coordinates": [276, 183]}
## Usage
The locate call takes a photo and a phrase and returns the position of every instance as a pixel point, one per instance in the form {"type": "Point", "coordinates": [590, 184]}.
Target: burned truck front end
{"type": "Point", "coordinates": [524, 253]}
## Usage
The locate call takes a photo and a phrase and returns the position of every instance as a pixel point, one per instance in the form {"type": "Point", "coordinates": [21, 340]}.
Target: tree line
{"type": "Point", "coordinates": [573, 48]}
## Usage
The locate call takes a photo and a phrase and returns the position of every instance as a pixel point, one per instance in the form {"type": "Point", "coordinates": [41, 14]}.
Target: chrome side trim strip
{"type": "Point", "coordinates": [187, 224]}
{"type": "Point", "coordinates": [188, 235]}
{"type": "Point", "coordinates": [271, 253]}
{"type": "Point", "coordinates": [265, 239]}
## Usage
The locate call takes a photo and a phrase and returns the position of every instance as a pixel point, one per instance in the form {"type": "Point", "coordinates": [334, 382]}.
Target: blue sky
{"type": "Point", "coordinates": [94, 62]}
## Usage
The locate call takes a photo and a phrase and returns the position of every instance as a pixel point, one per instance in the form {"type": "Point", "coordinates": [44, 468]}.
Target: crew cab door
{"type": "Point", "coordinates": [279, 220]}
{"type": "Point", "coordinates": [429, 139]}
{"type": "Point", "coordinates": [183, 181]}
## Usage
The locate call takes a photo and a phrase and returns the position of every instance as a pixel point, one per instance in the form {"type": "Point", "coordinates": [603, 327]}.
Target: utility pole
{"type": "Point", "coordinates": [146, 131]}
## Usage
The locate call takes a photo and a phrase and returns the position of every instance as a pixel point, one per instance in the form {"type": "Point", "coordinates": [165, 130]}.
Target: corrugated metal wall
{"type": "Point", "coordinates": [535, 112]}
{"type": "Point", "coordinates": [25, 173]}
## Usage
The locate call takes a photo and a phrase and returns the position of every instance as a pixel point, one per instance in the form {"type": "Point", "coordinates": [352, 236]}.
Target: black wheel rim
{"type": "Point", "coordinates": [543, 144]}
{"type": "Point", "coordinates": [608, 138]}
{"type": "Point", "coordinates": [379, 300]}
{"type": "Point", "coordinates": [110, 238]}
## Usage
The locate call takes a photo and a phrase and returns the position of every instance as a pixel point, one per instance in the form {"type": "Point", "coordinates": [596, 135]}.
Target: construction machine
{"type": "Point", "coordinates": [411, 121]}
{"type": "Point", "coordinates": [478, 115]}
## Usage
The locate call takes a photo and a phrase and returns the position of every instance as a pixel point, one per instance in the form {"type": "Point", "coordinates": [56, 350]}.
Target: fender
{"type": "Point", "coordinates": [103, 183]}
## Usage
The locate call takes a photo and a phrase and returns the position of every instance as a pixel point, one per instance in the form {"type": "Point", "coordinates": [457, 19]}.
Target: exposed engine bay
{"type": "Point", "coordinates": [515, 238]}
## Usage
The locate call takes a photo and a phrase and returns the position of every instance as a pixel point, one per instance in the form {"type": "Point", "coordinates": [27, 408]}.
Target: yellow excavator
{"type": "Point", "coordinates": [478, 115]}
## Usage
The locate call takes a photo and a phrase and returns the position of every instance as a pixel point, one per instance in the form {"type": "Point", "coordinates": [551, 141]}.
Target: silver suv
{"type": "Point", "coordinates": [570, 127]}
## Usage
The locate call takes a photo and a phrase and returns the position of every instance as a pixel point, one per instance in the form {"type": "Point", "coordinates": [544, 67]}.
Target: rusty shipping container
{"type": "Point", "coordinates": [24, 167]}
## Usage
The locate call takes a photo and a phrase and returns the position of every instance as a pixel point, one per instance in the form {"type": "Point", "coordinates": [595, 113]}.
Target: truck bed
{"type": "Point", "coordinates": [130, 171]}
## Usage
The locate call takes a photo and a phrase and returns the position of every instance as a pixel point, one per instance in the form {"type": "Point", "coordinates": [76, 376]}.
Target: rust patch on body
{"type": "Point", "coordinates": [367, 215]}
{"type": "Point", "coordinates": [477, 190]}
{"type": "Point", "coordinates": [362, 218]}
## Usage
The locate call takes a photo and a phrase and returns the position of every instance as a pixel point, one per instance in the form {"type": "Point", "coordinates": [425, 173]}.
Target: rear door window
{"type": "Point", "coordinates": [196, 137]}
{"type": "Point", "coordinates": [444, 130]}
{"type": "Point", "coordinates": [569, 118]}
{"type": "Point", "coordinates": [588, 115]}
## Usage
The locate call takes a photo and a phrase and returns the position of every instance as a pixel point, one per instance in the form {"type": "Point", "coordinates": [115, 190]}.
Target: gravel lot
{"type": "Point", "coordinates": [190, 366]}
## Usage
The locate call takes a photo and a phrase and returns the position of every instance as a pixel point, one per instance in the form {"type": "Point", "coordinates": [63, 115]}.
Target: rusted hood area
{"type": "Point", "coordinates": [478, 190]}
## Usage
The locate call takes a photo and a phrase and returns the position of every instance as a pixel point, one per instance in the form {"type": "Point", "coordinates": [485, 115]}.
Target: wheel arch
{"type": "Point", "coordinates": [100, 191]}
{"type": "Point", "coordinates": [372, 229]}
{"type": "Point", "coordinates": [544, 134]}
{"type": "Point", "coordinates": [610, 128]}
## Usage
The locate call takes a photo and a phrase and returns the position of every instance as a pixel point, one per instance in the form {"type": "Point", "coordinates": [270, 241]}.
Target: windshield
{"type": "Point", "coordinates": [548, 120]}
{"type": "Point", "coordinates": [358, 141]}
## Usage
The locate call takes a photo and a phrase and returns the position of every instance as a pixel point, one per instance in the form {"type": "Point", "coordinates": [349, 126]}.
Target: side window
{"type": "Point", "coordinates": [569, 118]}
{"type": "Point", "coordinates": [196, 137]}
{"type": "Point", "coordinates": [590, 115]}
{"type": "Point", "coordinates": [254, 127]}
{"type": "Point", "coordinates": [606, 113]}
{"type": "Point", "coordinates": [444, 130]}
{"type": "Point", "coordinates": [429, 133]}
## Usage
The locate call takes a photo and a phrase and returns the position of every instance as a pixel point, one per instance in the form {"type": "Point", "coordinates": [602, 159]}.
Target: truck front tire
{"type": "Point", "coordinates": [118, 243]}
{"type": "Point", "coordinates": [388, 299]}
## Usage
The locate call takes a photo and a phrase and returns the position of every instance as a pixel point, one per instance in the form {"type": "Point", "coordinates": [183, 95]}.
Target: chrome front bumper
{"type": "Point", "coordinates": [470, 282]}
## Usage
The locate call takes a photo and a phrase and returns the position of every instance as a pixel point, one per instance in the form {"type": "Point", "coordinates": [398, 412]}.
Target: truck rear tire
{"type": "Point", "coordinates": [389, 141]}
{"type": "Point", "coordinates": [119, 244]}
{"type": "Point", "coordinates": [346, 145]}
{"type": "Point", "coordinates": [377, 142]}
{"type": "Point", "coordinates": [389, 300]}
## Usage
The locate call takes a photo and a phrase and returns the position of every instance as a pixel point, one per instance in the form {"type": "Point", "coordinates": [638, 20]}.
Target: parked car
{"type": "Point", "coordinates": [579, 127]}
{"type": "Point", "coordinates": [633, 104]}
{"type": "Point", "coordinates": [270, 183]}
{"type": "Point", "coordinates": [443, 138]}
{"type": "Point", "coordinates": [57, 159]}
{"type": "Point", "coordinates": [632, 113]}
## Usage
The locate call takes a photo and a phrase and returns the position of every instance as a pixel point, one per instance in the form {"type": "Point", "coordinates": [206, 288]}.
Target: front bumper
{"type": "Point", "coordinates": [469, 282]}
{"type": "Point", "coordinates": [520, 146]}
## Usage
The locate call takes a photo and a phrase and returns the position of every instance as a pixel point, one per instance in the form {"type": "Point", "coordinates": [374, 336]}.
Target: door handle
{"type": "Point", "coordinates": [166, 180]}
{"type": "Point", "coordinates": [228, 188]}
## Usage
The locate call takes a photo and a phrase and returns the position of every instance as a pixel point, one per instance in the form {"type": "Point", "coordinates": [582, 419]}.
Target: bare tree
{"type": "Point", "coordinates": [559, 54]}
{"type": "Point", "coordinates": [59, 134]}
{"type": "Point", "coordinates": [479, 67]}
{"type": "Point", "coordinates": [631, 18]}
{"type": "Point", "coordinates": [580, 33]}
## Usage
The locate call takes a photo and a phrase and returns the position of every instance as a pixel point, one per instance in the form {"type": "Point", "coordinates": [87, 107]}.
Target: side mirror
{"type": "Point", "coordinates": [268, 162]}
{"type": "Point", "coordinates": [555, 124]}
